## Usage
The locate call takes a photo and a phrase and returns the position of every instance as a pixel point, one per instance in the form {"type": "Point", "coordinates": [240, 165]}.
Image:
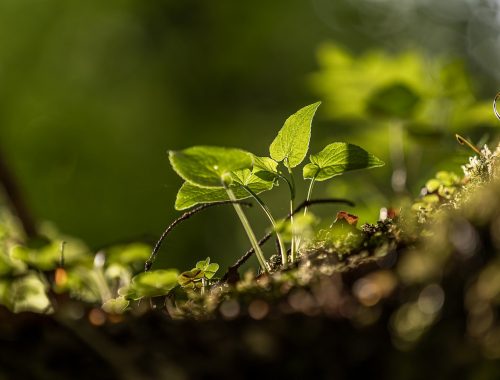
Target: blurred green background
{"type": "Point", "coordinates": [94, 93]}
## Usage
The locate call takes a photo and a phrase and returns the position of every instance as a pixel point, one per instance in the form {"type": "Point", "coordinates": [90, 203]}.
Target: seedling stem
{"type": "Point", "coordinates": [293, 248]}
{"type": "Point", "coordinates": [248, 230]}
{"type": "Point", "coordinates": [267, 211]}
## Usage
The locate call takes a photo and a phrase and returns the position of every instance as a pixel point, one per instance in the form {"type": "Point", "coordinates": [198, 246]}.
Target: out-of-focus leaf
{"type": "Point", "coordinates": [394, 101]}
{"type": "Point", "coordinates": [128, 254]}
{"type": "Point", "coordinates": [116, 305]}
{"type": "Point", "coordinates": [151, 284]}
{"type": "Point", "coordinates": [28, 293]}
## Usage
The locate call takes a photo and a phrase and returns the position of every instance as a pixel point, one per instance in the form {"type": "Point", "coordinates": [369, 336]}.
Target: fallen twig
{"type": "Point", "coordinates": [188, 214]}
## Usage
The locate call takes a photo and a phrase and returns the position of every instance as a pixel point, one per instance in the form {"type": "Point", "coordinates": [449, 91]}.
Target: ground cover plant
{"type": "Point", "coordinates": [421, 265]}
{"type": "Point", "coordinates": [215, 176]}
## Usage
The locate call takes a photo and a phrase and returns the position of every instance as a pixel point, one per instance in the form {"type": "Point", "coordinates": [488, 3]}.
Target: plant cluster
{"type": "Point", "coordinates": [38, 275]}
{"type": "Point", "coordinates": [214, 174]}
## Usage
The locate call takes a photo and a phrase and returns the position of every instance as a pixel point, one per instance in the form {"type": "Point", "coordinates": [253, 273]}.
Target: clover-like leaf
{"type": "Point", "coordinates": [190, 278]}
{"type": "Point", "coordinates": [211, 270]}
{"type": "Point", "coordinates": [202, 265]}
{"type": "Point", "coordinates": [292, 142]}
{"type": "Point", "coordinates": [151, 284]}
{"type": "Point", "coordinates": [338, 158]}
{"type": "Point", "coordinates": [208, 269]}
{"type": "Point", "coordinates": [207, 166]}
{"type": "Point", "coordinates": [115, 305]}
{"type": "Point", "coordinates": [190, 195]}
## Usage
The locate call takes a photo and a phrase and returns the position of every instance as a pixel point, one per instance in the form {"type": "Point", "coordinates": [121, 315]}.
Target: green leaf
{"type": "Point", "coordinates": [432, 185]}
{"type": "Point", "coordinates": [338, 158]}
{"type": "Point", "coordinates": [152, 284]}
{"type": "Point", "coordinates": [448, 178]}
{"type": "Point", "coordinates": [211, 269]}
{"type": "Point", "coordinates": [242, 177]}
{"type": "Point", "coordinates": [115, 305]}
{"type": "Point", "coordinates": [190, 195]}
{"type": "Point", "coordinates": [202, 265]}
{"type": "Point", "coordinates": [189, 278]}
{"type": "Point", "coordinates": [129, 253]}
{"type": "Point", "coordinates": [208, 269]}
{"type": "Point", "coordinates": [48, 255]}
{"type": "Point", "coordinates": [264, 164]}
{"type": "Point", "coordinates": [206, 166]}
{"type": "Point", "coordinates": [28, 293]}
{"type": "Point", "coordinates": [266, 168]}
{"type": "Point", "coordinates": [292, 142]}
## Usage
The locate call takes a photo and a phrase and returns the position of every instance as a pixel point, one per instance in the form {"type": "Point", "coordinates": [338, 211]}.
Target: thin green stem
{"type": "Point", "coordinates": [249, 231]}
{"type": "Point", "coordinates": [267, 211]}
{"type": "Point", "coordinates": [293, 248]}
{"type": "Point", "coordinates": [309, 192]}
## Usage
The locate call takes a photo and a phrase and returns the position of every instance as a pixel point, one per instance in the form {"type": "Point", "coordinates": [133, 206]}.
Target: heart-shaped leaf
{"type": "Point", "coordinates": [338, 158]}
{"type": "Point", "coordinates": [207, 166]}
{"type": "Point", "coordinates": [292, 142]}
{"type": "Point", "coordinates": [190, 195]}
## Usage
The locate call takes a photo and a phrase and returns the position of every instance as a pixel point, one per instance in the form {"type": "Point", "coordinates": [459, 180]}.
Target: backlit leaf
{"type": "Point", "coordinates": [206, 166]}
{"type": "Point", "coordinates": [338, 158]}
{"type": "Point", "coordinates": [190, 195]}
{"type": "Point", "coordinates": [292, 143]}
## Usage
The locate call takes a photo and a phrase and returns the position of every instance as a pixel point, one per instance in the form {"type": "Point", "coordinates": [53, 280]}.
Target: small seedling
{"type": "Point", "coordinates": [198, 276]}
{"type": "Point", "coordinates": [215, 174]}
